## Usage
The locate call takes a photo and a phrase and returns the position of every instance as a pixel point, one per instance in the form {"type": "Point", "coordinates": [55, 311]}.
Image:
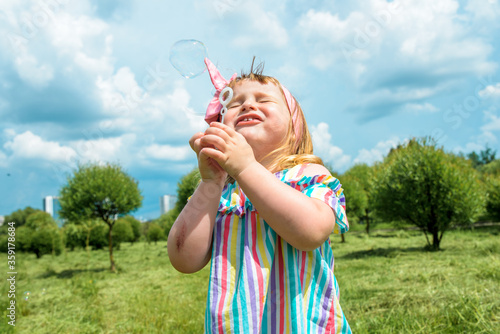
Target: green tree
{"type": "Point", "coordinates": [75, 236]}
{"type": "Point", "coordinates": [185, 188]}
{"type": "Point", "coordinates": [98, 235]}
{"type": "Point", "coordinates": [85, 233]}
{"type": "Point", "coordinates": [100, 191]}
{"type": "Point", "coordinates": [122, 232]}
{"type": "Point", "coordinates": [18, 217]}
{"type": "Point", "coordinates": [491, 180]}
{"type": "Point", "coordinates": [136, 227]}
{"type": "Point", "coordinates": [45, 235]}
{"type": "Point", "coordinates": [493, 202]}
{"type": "Point", "coordinates": [22, 240]}
{"type": "Point", "coordinates": [492, 168]}
{"type": "Point", "coordinates": [427, 187]}
{"type": "Point", "coordinates": [483, 158]}
{"type": "Point", "coordinates": [90, 227]}
{"type": "Point", "coordinates": [358, 184]}
{"type": "Point", "coordinates": [166, 220]}
{"type": "Point", "coordinates": [155, 233]}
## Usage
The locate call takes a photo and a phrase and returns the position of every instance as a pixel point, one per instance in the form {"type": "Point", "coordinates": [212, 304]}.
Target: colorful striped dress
{"type": "Point", "coordinates": [261, 284]}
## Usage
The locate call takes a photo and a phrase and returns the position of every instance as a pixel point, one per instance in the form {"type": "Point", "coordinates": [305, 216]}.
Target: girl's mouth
{"type": "Point", "coordinates": [248, 119]}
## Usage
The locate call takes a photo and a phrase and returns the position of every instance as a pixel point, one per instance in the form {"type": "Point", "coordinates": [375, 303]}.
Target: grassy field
{"type": "Point", "coordinates": [388, 284]}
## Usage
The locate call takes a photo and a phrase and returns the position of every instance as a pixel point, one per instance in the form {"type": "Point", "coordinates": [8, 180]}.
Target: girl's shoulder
{"type": "Point", "coordinates": [307, 175]}
{"type": "Point", "coordinates": [306, 170]}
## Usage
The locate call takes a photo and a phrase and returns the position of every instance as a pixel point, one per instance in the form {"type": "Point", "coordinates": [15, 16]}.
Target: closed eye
{"type": "Point", "coordinates": [233, 105]}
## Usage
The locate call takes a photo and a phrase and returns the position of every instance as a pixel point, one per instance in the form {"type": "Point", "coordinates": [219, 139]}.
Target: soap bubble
{"type": "Point", "coordinates": [187, 56]}
{"type": "Point", "coordinates": [44, 291]}
{"type": "Point", "coordinates": [26, 295]}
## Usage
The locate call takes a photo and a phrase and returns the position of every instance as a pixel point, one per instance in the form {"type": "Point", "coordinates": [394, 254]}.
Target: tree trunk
{"type": "Point", "coordinates": [110, 241]}
{"type": "Point", "coordinates": [433, 222]}
{"type": "Point", "coordinates": [435, 240]}
{"type": "Point", "coordinates": [367, 224]}
{"type": "Point", "coordinates": [426, 237]}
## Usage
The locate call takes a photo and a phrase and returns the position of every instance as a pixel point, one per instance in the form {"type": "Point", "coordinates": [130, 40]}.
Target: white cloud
{"type": "Point", "coordinates": [260, 28]}
{"type": "Point", "coordinates": [491, 126]}
{"type": "Point", "coordinates": [487, 136]}
{"type": "Point", "coordinates": [104, 149]}
{"type": "Point", "coordinates": [322, 24]}
{"type": "Point", "coordinates": [85, 40]}
{"type": "Point", "coordinates": [385, 101]}
{"type": "Point", "coordinates": [28, 68]}
{"type": "Point", "coordinates": [100, 65]}
{"type": "Point", "coordinates": [9, 133]}
{"type": "Point", "coordinates": [120, 93]}
{"type": "Point", "coordinates": [377, 153]}
{"type": "Point", "coordinates": [484, 10]}
{"type": "Point", "coordinates": [420, 107]}
{"type": "Point", "coordinates": [493, 122]}
{"type": "Point", "coordinates": [30, 146]}
{"type": "Point", "coordinates": [138, 110]}
{"type": "Point", "coordinates": [326, 33]}
{"type": "Point", "coordinates": [168, 152]}
{"type": "Point", "coordinates": [396, 35]}
{"type": "Point", "coordinates": [468, 148]}
{"type": "Point", "coordinates": [323, 148]}
{"type": "Point", "coordinates": [3, 159]}
{"type": "Point", "coordinates": [69, 33]}
{"type": "Point", "coordinates": [34, 29]}
{"type": "Point", "coordinates": [397, 54]}
{"type": "Point", "coordinates": [491, 91]}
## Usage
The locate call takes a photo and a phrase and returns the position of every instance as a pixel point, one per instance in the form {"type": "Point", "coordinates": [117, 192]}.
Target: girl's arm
{"type": "Point", "coordinates": [303, 222]}
{"type": "Point", "coordinates": [190, 239]}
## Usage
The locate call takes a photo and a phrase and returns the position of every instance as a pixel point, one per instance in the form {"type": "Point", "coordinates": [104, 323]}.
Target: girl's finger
{"type": "Point", "coordinates": [213, 141]}
{"type": "Point", "coordinates": [193, 139]}
{"type": "Point", "coordinates": [217, 125]}
{"type": "Point", "coordinates": [221, 132]}
{"type": "Point", "coordinates": [214, 154]}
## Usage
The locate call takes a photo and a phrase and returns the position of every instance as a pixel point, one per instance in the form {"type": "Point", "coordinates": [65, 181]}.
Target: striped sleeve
{"type": "Point", "coordinates": [325, 188]}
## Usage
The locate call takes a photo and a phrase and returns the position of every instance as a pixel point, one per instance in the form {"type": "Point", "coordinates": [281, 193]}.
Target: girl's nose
{"type": "Point", "coordinates": [248, 105]}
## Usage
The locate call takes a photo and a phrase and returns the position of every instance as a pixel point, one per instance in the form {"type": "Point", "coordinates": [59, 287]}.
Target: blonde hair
{"type": "Point", "coordinates": [292, 151]}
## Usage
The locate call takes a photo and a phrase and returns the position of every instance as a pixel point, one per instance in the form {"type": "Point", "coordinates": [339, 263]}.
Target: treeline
{"type": "Point", "coordinates": [420, 184]}
{"type": "Point", "coordinates": [37, 232]}
{"type": "Point", "coordinates": [95, 207]}
{"type": "Point", "coordinates": [417, 183]}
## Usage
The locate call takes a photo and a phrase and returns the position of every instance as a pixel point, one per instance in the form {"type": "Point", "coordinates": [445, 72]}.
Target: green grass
{"type": "Point", "coordinates": [388, 284]}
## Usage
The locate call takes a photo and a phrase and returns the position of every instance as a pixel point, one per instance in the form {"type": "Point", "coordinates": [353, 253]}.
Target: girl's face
{"type": "Point", "coordinates": [259, 113]}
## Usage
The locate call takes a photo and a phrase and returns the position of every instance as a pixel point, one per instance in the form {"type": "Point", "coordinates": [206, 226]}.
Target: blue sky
{"type": "Point", "coordinates": [90, 80]}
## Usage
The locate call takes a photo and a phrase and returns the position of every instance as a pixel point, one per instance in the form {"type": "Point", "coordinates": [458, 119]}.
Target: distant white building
{"type": "Point", "coordinates": [167, 202]}
{"type": "Point", "coordinates": [52, 206]}
{"type": "Point", "coordinates": [2, 219]}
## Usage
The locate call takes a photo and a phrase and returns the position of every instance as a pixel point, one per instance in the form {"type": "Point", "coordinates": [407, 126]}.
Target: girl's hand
{"type": "Point", "coordinates": [227, 147]}
{"type": "Point", "coordinates": [210, 170]}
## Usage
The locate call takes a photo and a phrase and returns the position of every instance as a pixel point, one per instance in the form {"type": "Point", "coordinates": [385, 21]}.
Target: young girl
{"type": "Point", "coordinates": [263, 213]}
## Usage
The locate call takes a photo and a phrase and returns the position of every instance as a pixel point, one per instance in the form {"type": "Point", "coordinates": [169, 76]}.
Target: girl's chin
{"type": "Point", "coordinates": [250, 132]}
